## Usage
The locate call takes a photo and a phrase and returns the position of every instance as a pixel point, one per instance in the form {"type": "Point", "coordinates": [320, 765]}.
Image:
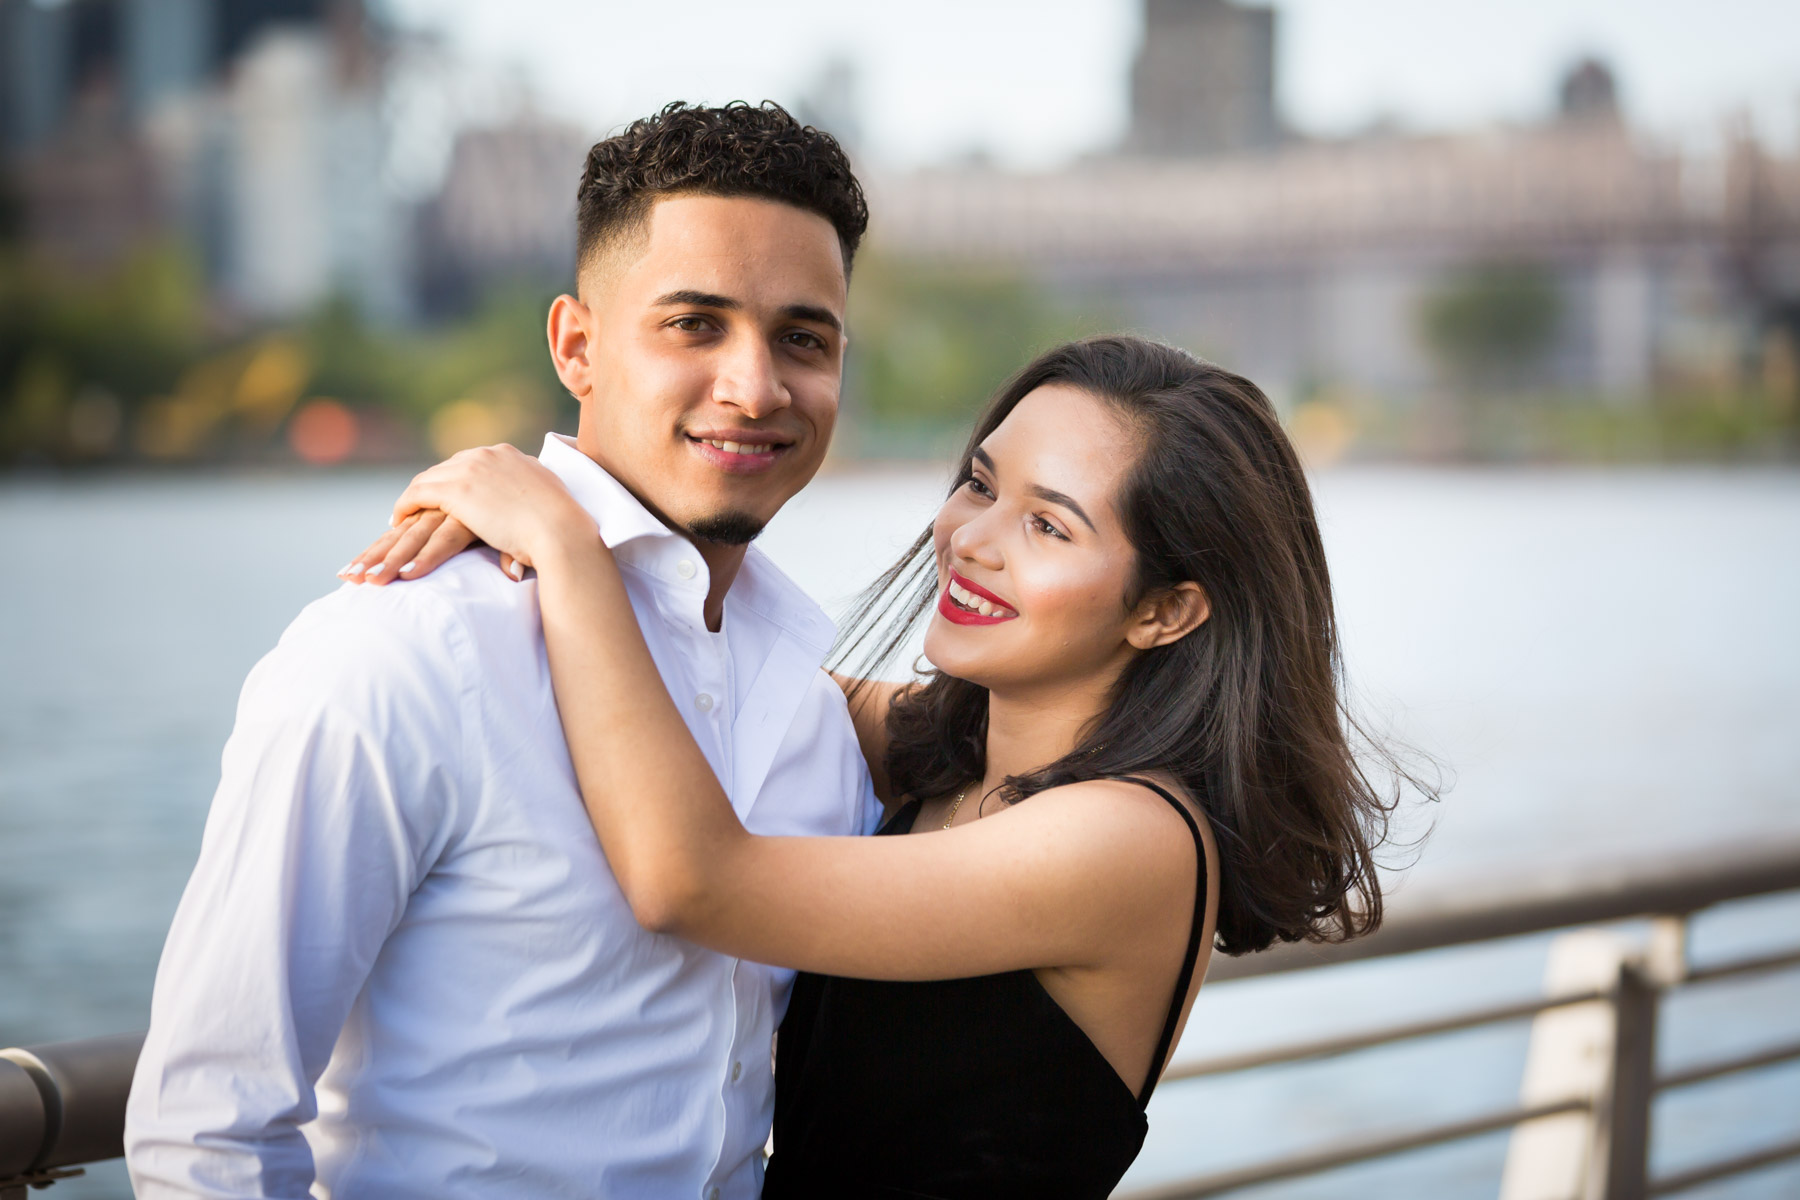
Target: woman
{"type": "Point", "coordinates": [1129, 749]}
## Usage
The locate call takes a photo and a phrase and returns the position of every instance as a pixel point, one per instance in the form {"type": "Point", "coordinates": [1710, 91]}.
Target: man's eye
{"type": "Point", "coordinates": [690, 324]}
{"type": "Point", "coordinates": [811, 341]}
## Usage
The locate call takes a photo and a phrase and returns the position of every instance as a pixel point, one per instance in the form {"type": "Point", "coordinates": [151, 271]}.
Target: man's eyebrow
{"type": "Point", "coordinates": [1042, 493]}
{"type": "Point", "coordinates": [697, 299]}
{"type": "Point", "coordinates": [812, 312]}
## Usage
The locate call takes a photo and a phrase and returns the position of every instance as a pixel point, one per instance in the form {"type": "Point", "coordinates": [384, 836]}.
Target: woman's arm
{"type": "Point", "coordinates": [1066, 880]}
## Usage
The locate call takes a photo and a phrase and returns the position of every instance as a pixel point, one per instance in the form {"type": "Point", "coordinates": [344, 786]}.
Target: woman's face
{"type": "Point", "coordinates": [1033, 563]}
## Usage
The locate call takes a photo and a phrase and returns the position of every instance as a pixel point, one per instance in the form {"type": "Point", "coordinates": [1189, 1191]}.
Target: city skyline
{"type": "Point", "coordinates": [955, 80]}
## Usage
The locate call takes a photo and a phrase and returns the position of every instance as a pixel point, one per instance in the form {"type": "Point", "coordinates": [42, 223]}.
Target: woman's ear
{"type": "Point", "coordinates": [1169, 615]}
{"type": "Point", "coordinates": [568, 334]}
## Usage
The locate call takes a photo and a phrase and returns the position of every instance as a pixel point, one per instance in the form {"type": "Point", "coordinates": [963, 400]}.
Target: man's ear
{"type": "Point", "coordinates": [570, 321]}
{"type": "Point", "coordinates": [1169, 615]}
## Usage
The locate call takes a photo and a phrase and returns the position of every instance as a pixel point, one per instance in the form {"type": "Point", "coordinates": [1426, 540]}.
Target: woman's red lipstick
{"type": "Point", "coordinates": [953, 612]}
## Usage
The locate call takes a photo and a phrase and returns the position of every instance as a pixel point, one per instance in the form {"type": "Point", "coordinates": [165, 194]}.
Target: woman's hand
{"type": "Point", "coordinates": [416, 547]}
{"type": "Point", "coordinates": [494, 494]}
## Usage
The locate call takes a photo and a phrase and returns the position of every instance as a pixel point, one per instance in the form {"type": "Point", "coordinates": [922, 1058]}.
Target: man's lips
{"type": "Point", "coordinates": [962, 602]}
{"type": "Point", "coordinates": [739, 454]}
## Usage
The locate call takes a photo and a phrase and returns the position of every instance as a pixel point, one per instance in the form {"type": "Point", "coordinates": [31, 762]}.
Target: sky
{"type": "Point", "coordinates": [1038, 82]}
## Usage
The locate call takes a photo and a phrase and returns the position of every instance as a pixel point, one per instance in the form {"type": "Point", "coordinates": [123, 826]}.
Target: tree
{"type": "Point", "coordinates": [1490, 325]}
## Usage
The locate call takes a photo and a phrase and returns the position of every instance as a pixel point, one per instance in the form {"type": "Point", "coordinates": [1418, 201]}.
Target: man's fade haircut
{"type": "Point", "coordinates": [734, 150]}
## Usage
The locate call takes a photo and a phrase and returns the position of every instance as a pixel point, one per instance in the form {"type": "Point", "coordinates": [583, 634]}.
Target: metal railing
{"type": "Point", "coordinates": [1620, 1110]}
{"type": "Point", "coordinates": [63, 1105]}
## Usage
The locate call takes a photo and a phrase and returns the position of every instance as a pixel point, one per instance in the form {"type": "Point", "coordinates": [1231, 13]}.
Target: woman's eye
{"type": "Point", "coordinates": [1044, 526]}
{"type": "Point", "coordinates": [979, 488]}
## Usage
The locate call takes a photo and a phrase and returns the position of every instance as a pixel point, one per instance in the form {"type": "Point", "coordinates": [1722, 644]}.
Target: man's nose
{"type": "Point", "coordinates": [748, 379]}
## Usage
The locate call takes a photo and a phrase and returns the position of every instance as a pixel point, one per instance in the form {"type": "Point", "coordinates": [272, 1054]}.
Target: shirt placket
{"type": "Point", "coordinates": [708, 659]}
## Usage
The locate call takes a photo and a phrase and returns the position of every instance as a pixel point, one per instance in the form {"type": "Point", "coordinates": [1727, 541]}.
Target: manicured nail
{"type": "Point", "coordinates": [518, 570]}
{"type": "Point", "coordinates": [344, 570]}
{"type": "Point", "coordinates": [354, 568]}
{"type": "Point", "coordinates": [375, 570]}
{"type": "Point", "coordinates": [409, 566]}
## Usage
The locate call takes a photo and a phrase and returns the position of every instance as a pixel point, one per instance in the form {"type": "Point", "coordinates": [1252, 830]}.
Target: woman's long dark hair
{"type": "Point", "coordinates": [1247, 711]}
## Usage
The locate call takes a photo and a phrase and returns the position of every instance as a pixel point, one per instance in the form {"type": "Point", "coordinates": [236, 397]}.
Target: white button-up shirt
{"type": "Point", "coordinates": [403, 968]}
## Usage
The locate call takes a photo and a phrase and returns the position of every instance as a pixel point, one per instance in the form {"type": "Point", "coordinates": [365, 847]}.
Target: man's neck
{"type": "Point", "coordinates": [722, 561]}
{"type": "Point", "coordinates": [722, 565]}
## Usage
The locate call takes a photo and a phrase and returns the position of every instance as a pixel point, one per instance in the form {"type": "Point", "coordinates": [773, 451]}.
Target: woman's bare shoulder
{"type": "Point", "coordinates": [1127, 826]}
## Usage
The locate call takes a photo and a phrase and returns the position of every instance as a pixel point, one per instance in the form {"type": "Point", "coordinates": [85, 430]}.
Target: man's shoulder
{"type": "Point", "coordinates": [420, 634]}
{"type": "Point", "coordinates": [467, 588]}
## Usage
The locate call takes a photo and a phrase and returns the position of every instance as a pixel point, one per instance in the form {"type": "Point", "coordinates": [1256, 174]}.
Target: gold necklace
{"type": "Point", "coordinates": [955, 807]}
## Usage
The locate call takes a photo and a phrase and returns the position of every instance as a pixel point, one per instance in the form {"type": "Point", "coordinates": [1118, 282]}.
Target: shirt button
{"type": "Point", "coordinates": [703, 702]}
{"type": "Point", "coordinates": [685, 568]}
{"type": "Point", "coordinates": [737, 1071]}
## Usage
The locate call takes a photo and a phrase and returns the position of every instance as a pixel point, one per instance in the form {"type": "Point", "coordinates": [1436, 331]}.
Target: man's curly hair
{"type": "Point", "coordinates": [736, 150]}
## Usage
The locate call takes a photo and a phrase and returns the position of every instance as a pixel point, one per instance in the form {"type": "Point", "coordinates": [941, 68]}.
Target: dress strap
{"type": "Point", "coordinates": [1167, 1041]}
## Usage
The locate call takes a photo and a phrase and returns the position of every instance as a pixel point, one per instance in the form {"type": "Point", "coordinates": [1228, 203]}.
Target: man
{"type": "Point", "coordinates": [402, 967]}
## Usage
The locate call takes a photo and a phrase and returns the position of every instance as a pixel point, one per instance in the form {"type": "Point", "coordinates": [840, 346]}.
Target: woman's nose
{"type": "Point", "coordinates": [976, 541]}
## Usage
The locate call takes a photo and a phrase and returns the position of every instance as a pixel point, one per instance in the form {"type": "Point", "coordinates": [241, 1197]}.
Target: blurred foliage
{"type": "Point", "coordinates": [1490, 324]}
{"type": "Point", "coordinates": [1748, 423]}
{"type": "Point", "coordinates": [929, 343]}
{"type": "Point", "coordinates": [136, 364]}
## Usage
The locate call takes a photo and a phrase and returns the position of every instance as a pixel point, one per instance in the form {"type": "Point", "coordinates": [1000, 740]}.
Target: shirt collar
{"type": "Point", "coordinates": [639, 539]}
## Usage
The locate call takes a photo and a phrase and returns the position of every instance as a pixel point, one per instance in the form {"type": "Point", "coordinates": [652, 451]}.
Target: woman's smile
{"type": "Point", "coordinates": [968, 603]}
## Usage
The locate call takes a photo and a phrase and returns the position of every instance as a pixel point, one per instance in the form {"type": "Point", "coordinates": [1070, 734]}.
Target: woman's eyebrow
{"type": "Point", "coordinates": [1042, 493]}
{"type": "Point", "coordinates": [1066, 501]}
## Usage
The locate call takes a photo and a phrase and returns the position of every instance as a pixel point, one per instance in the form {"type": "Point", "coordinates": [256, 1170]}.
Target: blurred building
{"type": "Point", "coordinates": [834, 103]}
{"type": "Point", "coordinates": [1204, 80]}
{"type": "Point", "coordinates": [505, 213]}
{"type": "Point", "coordinates": [253, 128]}
{"type": "Point", "coordinates": [1589, 93]}
{"type": "Point", "coordinates": [1316, 265]}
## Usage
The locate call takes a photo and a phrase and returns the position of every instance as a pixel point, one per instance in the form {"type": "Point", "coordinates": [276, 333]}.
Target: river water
{"type": "Point", "coordinates": [1606, 664]}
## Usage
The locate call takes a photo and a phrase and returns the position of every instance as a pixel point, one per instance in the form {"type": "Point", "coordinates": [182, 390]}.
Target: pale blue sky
{"type": "Point", "coordinates": [1035, 82]}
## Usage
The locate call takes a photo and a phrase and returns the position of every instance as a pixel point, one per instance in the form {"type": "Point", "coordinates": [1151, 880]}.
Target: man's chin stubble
{"type": "Point", "coordinates": [726, 529]}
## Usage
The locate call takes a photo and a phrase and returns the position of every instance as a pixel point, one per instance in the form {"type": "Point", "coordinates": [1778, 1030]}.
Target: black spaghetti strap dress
{"type": "Point", "coordinates": [955, 1089]}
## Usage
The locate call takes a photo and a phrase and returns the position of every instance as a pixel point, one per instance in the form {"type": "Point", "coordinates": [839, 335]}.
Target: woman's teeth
{"type": "Point", "coordinates": [740, 447]}
{"type": "Point", "coordinates": [964, 598]}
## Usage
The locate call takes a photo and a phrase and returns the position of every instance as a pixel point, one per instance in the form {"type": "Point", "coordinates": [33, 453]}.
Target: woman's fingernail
{"type": "Point", "coordinates": [344, 570]}
{"type": "Point", "coordinates": [354, 568]}
{"type": "Point", "coordinates": [375, 570]}
{"type": "Point", "coordinates": [409, 566]}
{"type": "Point", "coordinates": [518, 570]}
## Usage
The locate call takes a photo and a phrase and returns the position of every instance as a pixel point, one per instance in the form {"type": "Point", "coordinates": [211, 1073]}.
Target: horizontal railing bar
{"type": "Point", "coordinates": [1773, 962]}
{"type": "Point", "coordinates": [1730, 1066]}
{"type": "Point", "coordinates": [1350, 1042]}
{"type": "Point", "coordinates": [1347, 1153]}
{"type": "Point", "coordinates": [1450, 915]}
{"type": "Point", "coordinates": [1743, 1164]}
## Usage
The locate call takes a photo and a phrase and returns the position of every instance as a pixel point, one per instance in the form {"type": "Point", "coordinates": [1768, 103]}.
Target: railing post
{"type": "Point", "coordinates": [1621, 1156]}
